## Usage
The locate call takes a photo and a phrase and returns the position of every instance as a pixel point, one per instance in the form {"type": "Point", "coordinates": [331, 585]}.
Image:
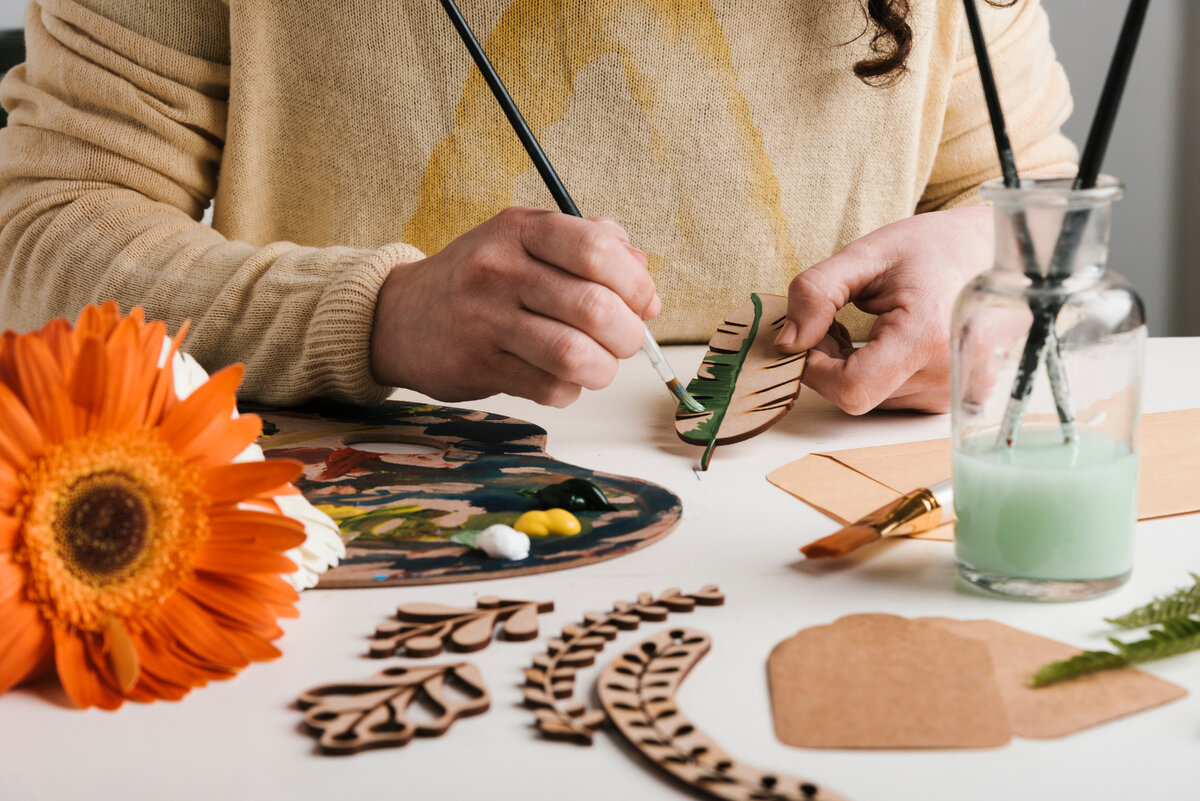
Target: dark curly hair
{"type": "Point", "coordinates": [891, 41]}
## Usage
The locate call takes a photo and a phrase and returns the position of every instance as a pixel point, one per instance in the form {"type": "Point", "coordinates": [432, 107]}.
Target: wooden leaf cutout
{"type": "Point", "coordinates": [744, 384]}
{"type": "Point", "coordinates": [422, 630]}
{"type": "Point", "coordinates": [637, 691]}
{"type": "Point", "coordinates": [552, 677]}
{"type": "Point", "coordinates": [348, 717]}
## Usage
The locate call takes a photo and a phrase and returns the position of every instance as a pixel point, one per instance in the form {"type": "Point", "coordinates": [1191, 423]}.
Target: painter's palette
{"type": "Point", "coordinates": [396, 510]}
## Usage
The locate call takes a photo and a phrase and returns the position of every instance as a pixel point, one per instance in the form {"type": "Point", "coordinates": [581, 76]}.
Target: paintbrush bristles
{"type": "Point", "coordinates": [841, 542]}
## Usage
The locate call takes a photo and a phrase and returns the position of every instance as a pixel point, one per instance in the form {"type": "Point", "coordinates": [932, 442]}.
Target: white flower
{"type": "Point", "coordinates": [503, 542]}
{"type": "Point", "coordinates": [323, 546]}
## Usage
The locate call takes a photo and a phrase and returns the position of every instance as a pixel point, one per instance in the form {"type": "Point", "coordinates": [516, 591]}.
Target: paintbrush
{"type": "Point", "coordinates": [1043, 314]}
{"type": "Point", "coordinates": [555, 185]}
{"type": "Point", "coordinates": [912, 513]}
{"type": "Point", "coordinates": [1041, 335]}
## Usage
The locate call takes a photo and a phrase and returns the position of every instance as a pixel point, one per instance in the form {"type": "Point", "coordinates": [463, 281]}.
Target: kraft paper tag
{"type": "Point", "coordinates": [881, 681]}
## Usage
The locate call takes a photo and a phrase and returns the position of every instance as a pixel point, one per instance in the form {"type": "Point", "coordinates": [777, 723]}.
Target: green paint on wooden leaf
{"type": "Point", "coordinates": [716, 390]}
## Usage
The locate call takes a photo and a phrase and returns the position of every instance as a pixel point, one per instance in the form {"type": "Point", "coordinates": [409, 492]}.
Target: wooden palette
{"type": "Point", "coordinates": [744, 384]}
{"type": "Point", "coordinates": [638, 692]}
{"type": "Point", "coordinates": [397, 510]}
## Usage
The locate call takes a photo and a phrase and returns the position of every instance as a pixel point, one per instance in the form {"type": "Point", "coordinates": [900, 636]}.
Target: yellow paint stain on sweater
{"type": "Point", "coordinates": [472, 173]}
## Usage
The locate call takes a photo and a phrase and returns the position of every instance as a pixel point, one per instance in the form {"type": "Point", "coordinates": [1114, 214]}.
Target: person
{"type": "Point", "coordinates": [376, 223]}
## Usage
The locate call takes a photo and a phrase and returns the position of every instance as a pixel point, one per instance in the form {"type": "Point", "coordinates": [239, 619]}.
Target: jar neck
{"type": "Point", "coordinates": [1053, 244]}
{"type": "Point", "coordinates": [1049, 231]}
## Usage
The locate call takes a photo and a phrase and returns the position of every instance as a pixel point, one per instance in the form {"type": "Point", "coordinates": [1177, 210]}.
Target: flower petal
{"type": "Point", "coordinates": [127, 381]}
{"type": "Point", "coordinates": [10, 527]}
{"type": "Point", "coordinates": [253, 646]}
{"type": "Point", "coordinates": [197, 632]}
{"type": "Point", "coordinates": [77, 674]}
{"type": "Point", "coordinates": [20, 438]}
{"type": "Point", "coordinates": [236, 558]}
{"type": "Point", "coordinates": [271, 590]}
{"type": "Point", "coordinates": [215, 399]}
{"type": "Point", "coordinates": [122, 656]}
{"type": "Point", "coordinates": [162, 664]}
{"type": "Point", "coordinates": [43, 389]}
{"type": "Point", "coordinates": [231, 602]}
{"type": "Point", "coordinates": [223, 440]}
{"type": "Point", "coordinates": [231, 483]}
{"type": "Point", "coordinates": [267, 530]}
{"type": "Point", "coordinates": [88, 380]}
{"type": "Point", "coordinates": [25, 642]}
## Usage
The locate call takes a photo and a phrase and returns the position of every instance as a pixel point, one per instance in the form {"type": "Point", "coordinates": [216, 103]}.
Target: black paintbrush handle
{"type": "Point", "coordinates": [1067, 244]}
{"type": "Point", "coordinates": [528, 140]}
{"type": "Point", "coordinates": [1008, 165]}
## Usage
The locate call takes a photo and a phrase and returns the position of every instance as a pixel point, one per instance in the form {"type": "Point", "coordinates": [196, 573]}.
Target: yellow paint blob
{"type": "Point", "coordinates": [540, 523]}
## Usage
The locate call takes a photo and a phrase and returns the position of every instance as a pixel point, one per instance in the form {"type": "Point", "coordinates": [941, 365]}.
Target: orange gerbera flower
{"type": "Point", "coordinates": [135, 556]}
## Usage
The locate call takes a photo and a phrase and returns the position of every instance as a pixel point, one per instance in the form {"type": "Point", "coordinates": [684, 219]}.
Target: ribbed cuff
{"type": "Point", "coordinates": [339, 337]}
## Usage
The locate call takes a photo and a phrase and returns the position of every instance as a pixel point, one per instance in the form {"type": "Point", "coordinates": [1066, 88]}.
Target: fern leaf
{"type": "Point", "coordinates": [1078, 665]}
{"type": "Point", "coordinates": [1177, 636]}
{"type": "Point", "coordinates": [744, 384]}
{"type": "Point", "coordinates": [1181, 603]}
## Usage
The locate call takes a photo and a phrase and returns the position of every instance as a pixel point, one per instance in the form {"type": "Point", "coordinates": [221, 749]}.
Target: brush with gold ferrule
{"type": "Point", "coordinates": [913, 513]}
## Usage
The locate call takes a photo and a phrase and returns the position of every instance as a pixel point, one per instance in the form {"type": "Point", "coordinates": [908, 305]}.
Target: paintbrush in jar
{"type": "Point", "coordinates": [1041, 338]}
{"type": "Point", "coordinates": [912, 513]}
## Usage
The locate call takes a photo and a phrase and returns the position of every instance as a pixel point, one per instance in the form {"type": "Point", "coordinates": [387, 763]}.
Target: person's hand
{"type": "Point", "coordinates": [908, 273]}
{"type": "Point", "coordinates": [531, 303]}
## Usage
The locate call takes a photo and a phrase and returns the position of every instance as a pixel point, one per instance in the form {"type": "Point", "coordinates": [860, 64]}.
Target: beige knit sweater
{"type": "Point", "coordinates": [337, 139]}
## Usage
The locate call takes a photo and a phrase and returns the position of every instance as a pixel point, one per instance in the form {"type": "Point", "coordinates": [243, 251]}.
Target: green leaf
{"type": "Point", "coordinates": [1181, 603]}
{"type": "Point", "coordinates": [744, 384]}
{"type": "Point", "coordinates": [1176, 636]}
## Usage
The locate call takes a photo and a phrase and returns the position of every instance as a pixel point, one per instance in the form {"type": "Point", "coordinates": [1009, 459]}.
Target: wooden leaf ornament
{"type": "Point", "coordinates": [422, 630]}
{"type": "Point", "coordinates": [637, 691]}
{"type": "Point", "coordinates": [551, 678]}
{"type": "Point", "coordinates": [744, 384]}
{"type": "Point", "coordinates": [349, 717]}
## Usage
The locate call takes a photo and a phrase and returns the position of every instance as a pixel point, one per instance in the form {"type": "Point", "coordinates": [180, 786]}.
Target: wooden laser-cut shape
{"type": "Point", "coordinates": [350, 716]}
{"type": "Point", "coordinates": [637, 691]}
{"type": "Point", "coordinates": [422, 630]}
{"type": "Point", "coordinates": [744, 383]}
{"type": "Point", "coordinates": [552, 676]}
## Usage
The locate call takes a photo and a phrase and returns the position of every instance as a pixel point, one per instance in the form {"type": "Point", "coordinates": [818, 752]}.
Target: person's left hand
{"type": "Point", "coordinates": [909, 274]}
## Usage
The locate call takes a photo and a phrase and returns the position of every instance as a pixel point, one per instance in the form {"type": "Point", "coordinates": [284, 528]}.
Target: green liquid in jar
{"type": "Point", "coordinates": [1046, 510]}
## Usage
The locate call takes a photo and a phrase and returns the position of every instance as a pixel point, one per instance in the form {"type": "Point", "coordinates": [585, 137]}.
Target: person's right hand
{"type": "Point", "coordinates": [531, 303]}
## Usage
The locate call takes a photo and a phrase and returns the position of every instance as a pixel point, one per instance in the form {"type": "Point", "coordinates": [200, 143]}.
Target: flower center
{"type": "Point", "coordinates": [111, 523]}
{"type": "Point", "coordinates": [102, 525]}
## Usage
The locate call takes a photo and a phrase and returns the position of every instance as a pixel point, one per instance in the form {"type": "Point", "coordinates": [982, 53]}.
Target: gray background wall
{"type": "Point", "coordinates": [1147, 149]}
{"type": "Point", "coordinates": [1156, 229]}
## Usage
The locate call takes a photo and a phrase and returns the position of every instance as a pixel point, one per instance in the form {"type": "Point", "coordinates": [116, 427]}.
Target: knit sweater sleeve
{"type": "Point", "coordinates": [110, 157]}
{"type": "Point", "coordinates": [1033, 93]}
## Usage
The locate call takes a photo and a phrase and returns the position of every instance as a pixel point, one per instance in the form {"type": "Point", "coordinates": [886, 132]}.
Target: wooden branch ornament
{"type": "Point", "coordinates": [350, 717]}
{"type": "Point", "coordinates": [637, 691]}
{"type": "Point", "coordinates": [552, 676]}
{"type": "Point", "coordinates": [422, 630]}
{"type": "Point", "coordinates": [744, 383]}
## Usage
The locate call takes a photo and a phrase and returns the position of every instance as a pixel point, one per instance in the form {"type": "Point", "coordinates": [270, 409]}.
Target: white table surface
{"type": "Point", "coordinates": [241, 738]}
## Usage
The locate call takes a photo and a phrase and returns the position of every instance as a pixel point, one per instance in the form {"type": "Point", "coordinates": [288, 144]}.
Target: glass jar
{"type": "Point", "coordinates": [1047, 360]}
